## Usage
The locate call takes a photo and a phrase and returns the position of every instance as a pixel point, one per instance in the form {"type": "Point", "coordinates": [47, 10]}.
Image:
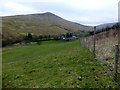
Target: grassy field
{"type": "Point", "coordinates": [52, 64]}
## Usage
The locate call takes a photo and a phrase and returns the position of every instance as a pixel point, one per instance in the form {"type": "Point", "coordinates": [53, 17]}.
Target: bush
{"type": "Point", "coordinates": [39, 43]}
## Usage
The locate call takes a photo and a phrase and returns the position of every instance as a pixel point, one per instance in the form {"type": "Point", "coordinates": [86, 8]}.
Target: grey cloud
{"type": "Point", "coordinates": [81, 15]}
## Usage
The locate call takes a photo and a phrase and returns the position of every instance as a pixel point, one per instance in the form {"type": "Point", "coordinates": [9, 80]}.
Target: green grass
{"type": "Point", "coordinates": [56, 64]}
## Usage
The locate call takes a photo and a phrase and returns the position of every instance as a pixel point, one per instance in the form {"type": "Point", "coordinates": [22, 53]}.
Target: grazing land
{"type": "Point", "coordinates": [56, 64]}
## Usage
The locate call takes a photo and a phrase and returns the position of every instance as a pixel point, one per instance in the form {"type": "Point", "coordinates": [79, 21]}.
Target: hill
{"type": "Point", "coordinates": [16, 27]}
{"type": "Point", "coordinates": [101, 26]}
{"type": "Point", "coordinates": [44, 24]}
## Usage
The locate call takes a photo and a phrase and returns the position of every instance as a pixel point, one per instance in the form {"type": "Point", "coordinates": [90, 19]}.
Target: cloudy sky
{"type": "Point", "coordinates": [87, 12]}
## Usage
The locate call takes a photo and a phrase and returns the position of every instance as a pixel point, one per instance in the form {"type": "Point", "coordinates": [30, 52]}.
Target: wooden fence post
{"type": "Point", "coordinates": [118, 35]}
{"type": "Point", "coordinates": [116, 62]}
{"type": "Point", "coordinates": [94, 41]}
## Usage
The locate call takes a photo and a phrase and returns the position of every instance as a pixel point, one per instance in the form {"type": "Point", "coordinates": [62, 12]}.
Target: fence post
{"type": "Point", "coordinates": [94, 41]}
{"type": "Point", "coordinates": [116, 62]}
{"type": "Point", "coordinates": [81, 41]}
{"type": "Point", "coordinates": [118, 35]}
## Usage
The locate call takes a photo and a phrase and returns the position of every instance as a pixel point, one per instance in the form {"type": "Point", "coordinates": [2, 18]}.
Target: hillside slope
{"type": "Point", "coordinates": [101, 26]}
{"type": "Point", "coordinates": [14, 28]}
{"type": "Point", "coordinates": [44, 24]}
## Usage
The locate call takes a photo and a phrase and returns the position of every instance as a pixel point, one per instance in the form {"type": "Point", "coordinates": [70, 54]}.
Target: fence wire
{"type": "Point", "coordinates": [104, 50]}
{"type": "Point", "coordinates": [118, 78]}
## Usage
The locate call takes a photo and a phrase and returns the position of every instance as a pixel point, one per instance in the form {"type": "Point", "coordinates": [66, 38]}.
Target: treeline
{"type": "Point", "coordinates": [89, 33]}
{"type": "Point", "coordinates": [35, 38]}
{"type": "Point", "coordinates": [10, 40]}
{"type": "Point", "coordinates": [31, 38]}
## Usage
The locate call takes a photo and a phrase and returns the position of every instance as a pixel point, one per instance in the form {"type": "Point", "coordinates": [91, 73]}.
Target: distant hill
{"type": "Point", "coordinates": [44, 24]}
{"type": "Point", "coordinates": [101, 26]}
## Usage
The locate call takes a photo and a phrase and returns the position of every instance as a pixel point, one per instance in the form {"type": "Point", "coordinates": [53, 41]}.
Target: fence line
{"type": "Point", "coordinates": [106, 48]}
{"type": "Point", "coordinates": [116, 62]}
{"type": "Point", "coordinates": [94, 41]}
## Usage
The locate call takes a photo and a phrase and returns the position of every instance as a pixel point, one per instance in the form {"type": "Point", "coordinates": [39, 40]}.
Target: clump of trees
{"type": "Point", "coordinates": [11, 39]}
{"type": "Point", "coordinates": [89, 33]}
{"type": "Point", "coordinates": [28, 38]}
{"type": "Point", "coordinates": [68, 36]}
{"type": "Point", "coordinates": [116, 26]}
{"type": "Point", "coordinates": [35, 38]}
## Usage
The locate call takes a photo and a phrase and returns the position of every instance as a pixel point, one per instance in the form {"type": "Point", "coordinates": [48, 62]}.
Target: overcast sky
{"type": "Point", "coordinates": [87, 12]}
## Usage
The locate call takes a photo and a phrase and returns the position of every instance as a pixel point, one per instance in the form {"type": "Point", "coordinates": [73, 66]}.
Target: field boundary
{"type": "Point", "coordinates": [106, 51]}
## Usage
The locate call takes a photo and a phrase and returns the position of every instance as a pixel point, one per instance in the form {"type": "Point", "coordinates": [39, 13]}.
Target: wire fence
{"type": "Point", "coordinates": [106, 49]}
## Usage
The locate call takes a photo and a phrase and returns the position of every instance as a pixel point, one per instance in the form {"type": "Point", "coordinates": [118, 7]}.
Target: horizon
{"type": "Point", "coordinates": [58, 16]}
{"type": "Point", "coordinates": [97, 12]}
